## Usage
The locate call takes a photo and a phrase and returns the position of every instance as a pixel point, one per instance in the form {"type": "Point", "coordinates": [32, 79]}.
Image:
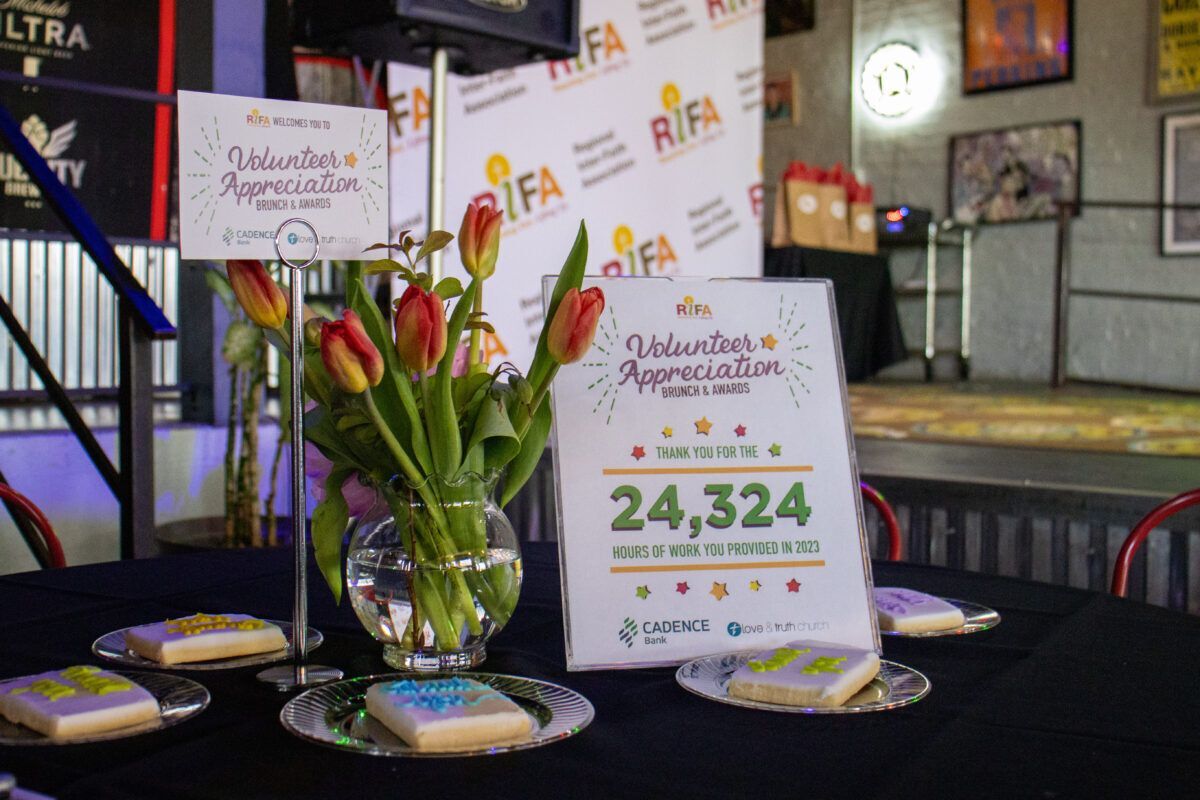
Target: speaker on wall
{"type": "Point", "coordinates": [481, 35]}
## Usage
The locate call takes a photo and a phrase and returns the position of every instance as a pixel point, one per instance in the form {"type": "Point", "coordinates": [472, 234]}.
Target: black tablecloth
{"type": "Point", "coordinates": [1075, 694]}
{"type": "Point", "coordinates": [866, 304]}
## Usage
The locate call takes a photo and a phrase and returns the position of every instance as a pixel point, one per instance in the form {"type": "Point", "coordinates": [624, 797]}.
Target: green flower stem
{"type": "Point", "coordinates": [536, 402]}
{"type": "Point", "coordinates": [406, 464]}
{"type": "Point", "coordinates": [473, 364]}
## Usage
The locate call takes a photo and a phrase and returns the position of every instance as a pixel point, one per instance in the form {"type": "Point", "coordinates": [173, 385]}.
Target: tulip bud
{"type": "Point", "coordinates": [259, 296]}
{"type": "Point", "coordinates": [349, 355]}
{"type": "Point", "coordinates": [574, 324]}
{"type": "Point", "coordinates": [312, 331]}
{"type": "Point", "coordinates": [420, 329]}
{"type": "Point", "coordinates": [479, 240]}
{"type": "Point", "coordinates": [524, 389]}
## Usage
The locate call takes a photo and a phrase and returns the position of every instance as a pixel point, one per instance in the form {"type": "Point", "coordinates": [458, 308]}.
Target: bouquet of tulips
{"type": "Point", "coordinates": [394, 409]}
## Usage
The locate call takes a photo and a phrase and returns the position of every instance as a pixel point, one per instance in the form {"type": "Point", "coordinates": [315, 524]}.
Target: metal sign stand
{"type": "Point", "coordinates": [300, 674]}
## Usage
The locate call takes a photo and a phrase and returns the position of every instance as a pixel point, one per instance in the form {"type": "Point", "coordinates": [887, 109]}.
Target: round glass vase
{"type": "Point", "coordinates": [433, 571]}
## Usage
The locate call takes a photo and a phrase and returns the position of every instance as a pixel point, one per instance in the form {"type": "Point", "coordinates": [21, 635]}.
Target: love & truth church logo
{"type": "Point", "coordinates": [521, 196]}
{"type": "Point", "coordinates": [601, 49]}
{"type": "Point", "coordinates": [653, 256]}
{"type": "Point", "coordinates": [686, 123]}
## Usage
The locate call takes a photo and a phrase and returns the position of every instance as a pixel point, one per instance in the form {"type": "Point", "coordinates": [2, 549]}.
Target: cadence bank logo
{"type": "Point", "coordinates": [686, 124]}
{"type": "Point", "coordinates": [257, 119]}
{"type": "Point", "coordinates": [627, 632]}
{"type": "Point", "coordinates": [524, 197]}
{"type": "Point", "coordinates": [691, 308]}
{"type": "Point", "coordinates": [653, 256]}
{"type": "Point", "coordinates": [51, 145]}
{"type": "Point", "coordinates": [726, 12]}
{"type": "Point", "coordinates": [408, 113]}
{"type": "Point", "coordinates": [601, 50]}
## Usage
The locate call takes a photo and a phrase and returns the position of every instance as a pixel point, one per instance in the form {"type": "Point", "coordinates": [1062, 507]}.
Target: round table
{"type": "Point", "coordinates": [1073, 694]}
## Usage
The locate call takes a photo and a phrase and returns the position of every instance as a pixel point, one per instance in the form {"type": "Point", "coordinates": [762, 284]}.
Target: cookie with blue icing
{"type": "Point", "coordinates": [447, 713]}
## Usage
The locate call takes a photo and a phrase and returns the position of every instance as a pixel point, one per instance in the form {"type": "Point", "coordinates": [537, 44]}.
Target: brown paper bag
{"type": "Point", "coordinates": [831, 214]}
{"type": "Point", "coordinates": [779, 225]}
{"type": "Point", "coordinates": [862, 228]}
{"type": "Point", "coordinates": [804, 225]}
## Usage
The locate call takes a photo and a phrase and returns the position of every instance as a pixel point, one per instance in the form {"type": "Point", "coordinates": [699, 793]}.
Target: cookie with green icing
{"type": "Point", "coordinates": [805, 673]}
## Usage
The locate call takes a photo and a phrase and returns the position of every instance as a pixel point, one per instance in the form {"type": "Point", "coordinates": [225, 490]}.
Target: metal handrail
{"type": "Point", "coordinates": [140, 322]}
{"type": "Point", "coordinates": [146, 313]}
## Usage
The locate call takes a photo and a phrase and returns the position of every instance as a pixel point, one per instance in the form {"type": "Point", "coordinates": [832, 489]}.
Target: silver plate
{"type": "Point", "coordinates": [335, 714]}
{"type": "Point", "coordinates": [111, 647]}
{"type": "Point", "coordinates": [178, 699]}
{"type": "Point", "coordinates": [976, 618]}
{"type": "Point", "coordinates": [894, 686]}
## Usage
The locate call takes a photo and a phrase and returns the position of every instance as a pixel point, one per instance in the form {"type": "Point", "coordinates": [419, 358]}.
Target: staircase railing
{"type": "Point", "coordinates": [141, 322]}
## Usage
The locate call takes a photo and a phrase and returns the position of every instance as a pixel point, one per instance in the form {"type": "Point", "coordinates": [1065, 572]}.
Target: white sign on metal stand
{"type": "Point", "coordinates": [707, 488]}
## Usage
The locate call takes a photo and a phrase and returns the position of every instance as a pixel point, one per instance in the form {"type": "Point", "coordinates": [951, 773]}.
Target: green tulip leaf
{"type": "Point", "coordinates": [435, 241]}
{"type": "Point", "coordinates": [532, 446]}
{"type": "Point", "coordinates": [570, 277]}
{"type": "Point", "coordinates": [329, 522]}
{"type": "Point", "coordinates": [448, 288]}
{"type": "Point", "coordinates": [219, 285]}
{"type": "Point", "coordinates": [493, 434]}
{"type": "Point", "coordinates": [444, 438]}
{"type": "Point", "coordinates": [467, 387]}
{"type": "Point", "coordinates": [480, 325]}
{"type": "Point", "coordinates": [378, 246]}
{"type": "Point", "coordinates": [385, 265]}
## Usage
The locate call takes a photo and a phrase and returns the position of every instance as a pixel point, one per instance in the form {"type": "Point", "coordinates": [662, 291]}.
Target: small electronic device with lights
{"type": "Point", "coordinates": [902, 224]}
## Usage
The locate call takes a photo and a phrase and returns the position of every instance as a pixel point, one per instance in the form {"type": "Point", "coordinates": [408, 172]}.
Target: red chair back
{"type": "Point", "coordinates": [889, 518]}
{"type": "Point", "coordinates": [25, 506]}
{"type": "Point", "coordinates": [1133, 541]}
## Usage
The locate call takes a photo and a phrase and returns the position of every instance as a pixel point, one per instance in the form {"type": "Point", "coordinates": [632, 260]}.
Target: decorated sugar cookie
{"type": "Point", "coordinates": [909, 611]}
{"type": "Point", "coordinates": [447, 714]}
{"type": "Point", "coordinates": [77, 701]}
{"type": "Point", "coordinates": [805, 673]}
{"type": "Point", "coordinates": [204, 637]}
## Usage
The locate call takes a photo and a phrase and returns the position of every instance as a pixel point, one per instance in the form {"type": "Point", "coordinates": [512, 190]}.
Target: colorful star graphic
{"type": "Point", "coordinates": [703, 425]}
{"type": "Point", "coordinates": [740, 430]}
{"type": "Point", "coordinates": [793, 585]}
{"type": "Point", "coordinates": [775, 450]}
{"type": "Point", "coordinates": [718, 590]}
{"type": "Point", "coordinates": [668, 432]}
{"type": "Point", "coordinates": [642, 592]}
{"type": "Point", "coordinates": [769, 341]}
{"type": "Point", "coordinates": [351, 159]}
{"type": "Point", "coordinates": [639, 452]}
{"type": "Point", "coordinates": [682, 587]}
{"type": "Point", "coordinates": [755, 586]}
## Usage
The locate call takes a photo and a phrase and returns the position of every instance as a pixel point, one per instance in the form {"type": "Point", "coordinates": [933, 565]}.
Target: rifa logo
{"type": "Point", "coordinates": [649, 257]}
{"type": "Point", "coordinates": [690, 309]}
{"type": "Point", "coordinates": [256, 119]}
{"type": "Point", "coordinates": [518, 195]}
{"type": "Point", "coordinates": [408, 110]}
{"type": "Point", "coordinates": [685, 122]}
{"type": "Point", "coordinates": [51, 145]}
{"type": "Point", "coordinates": [599, 46]}
{"type": "Point", "coordinates": [725, 11]}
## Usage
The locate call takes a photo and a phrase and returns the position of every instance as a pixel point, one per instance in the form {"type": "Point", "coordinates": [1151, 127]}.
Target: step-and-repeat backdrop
{"type": "Point", "coordinates": [653, 136]}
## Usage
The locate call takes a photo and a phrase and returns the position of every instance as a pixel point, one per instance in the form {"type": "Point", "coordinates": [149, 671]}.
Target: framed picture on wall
{"type": "Point", "coordinates": [1181, 183]}
{"type": "Point", "coordinates": [1176, 48]}
{"type": "Point", "coordinates": [1013, 43]}
{"type": "Point", "coordinates": [781, 99]}
{"type": "Point", "coordinates": [790, 16]}
{"type": "Point", "coordinates": [1014, 174]}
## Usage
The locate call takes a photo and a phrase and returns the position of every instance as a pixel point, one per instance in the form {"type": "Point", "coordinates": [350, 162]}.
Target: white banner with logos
{"type": "Point", "coordinates": [708, 495]}
{"type": "Point", "coordinates": [246, 165]}
{"type": "Point", "coordinates": [653, 136]}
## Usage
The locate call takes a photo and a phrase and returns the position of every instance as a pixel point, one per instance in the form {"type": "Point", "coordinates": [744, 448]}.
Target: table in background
{"type": "Point", "coordinates": [866, 303]}
{"type": "Point", "coordinates": [1075, 694]}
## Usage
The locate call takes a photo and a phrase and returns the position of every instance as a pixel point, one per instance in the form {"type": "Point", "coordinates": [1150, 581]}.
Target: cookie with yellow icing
{"type": "Point", "coordinates": [805, 673]}
{"type": "Point", "coordinates": [74, 702]}
{"type": "Point", "coordinates": [204, 637]}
